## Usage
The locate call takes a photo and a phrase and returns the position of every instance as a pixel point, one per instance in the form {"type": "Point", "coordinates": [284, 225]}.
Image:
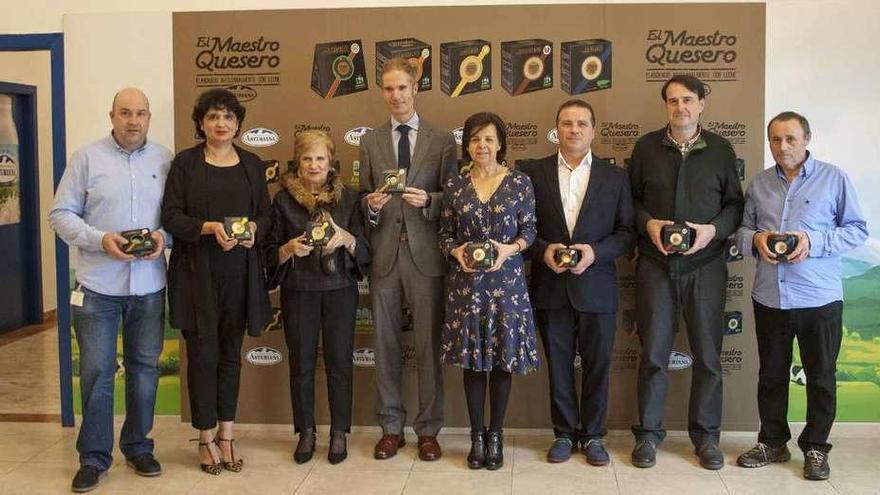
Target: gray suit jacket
{"type": "Point", "coordinates": [434, 160]}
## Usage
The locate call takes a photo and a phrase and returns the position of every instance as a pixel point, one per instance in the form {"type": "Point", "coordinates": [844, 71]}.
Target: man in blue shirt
{"type": "Point", "coordinates": [111, 186]}
{"type": "Point", "coordinates": [799, 294]}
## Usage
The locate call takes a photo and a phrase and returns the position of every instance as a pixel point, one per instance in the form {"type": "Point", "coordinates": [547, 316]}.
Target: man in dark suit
{"type": "Point", "coordinates": [583, 203]}
{"type": "Point", "coordinates": [407, 263]}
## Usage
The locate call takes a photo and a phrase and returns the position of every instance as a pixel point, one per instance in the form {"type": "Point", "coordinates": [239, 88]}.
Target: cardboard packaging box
{"type": "Point", "coordinates": [586, 65]}
{"type": "Point", "coordinates": [416, 51]}
{"type": "Point", "coordinates": [338, 69]}
{"type": "Point", "coordinates": [526, 66]}
{"type": "Point", "coordinates": [465, 67]}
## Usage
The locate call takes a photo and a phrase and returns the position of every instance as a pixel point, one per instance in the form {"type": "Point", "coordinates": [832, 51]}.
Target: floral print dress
{"type": "Point", "coordinates": [489, 320]}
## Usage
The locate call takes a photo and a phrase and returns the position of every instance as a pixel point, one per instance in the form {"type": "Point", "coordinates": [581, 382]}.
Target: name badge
{"type": "Point", "coordinates": [76, 298]}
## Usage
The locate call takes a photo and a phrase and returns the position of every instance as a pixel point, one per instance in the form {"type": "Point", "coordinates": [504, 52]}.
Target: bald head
{"type": "Point", "coordinates": [130, 116]}
{"type": "Point", "coordinates": [130, 95]}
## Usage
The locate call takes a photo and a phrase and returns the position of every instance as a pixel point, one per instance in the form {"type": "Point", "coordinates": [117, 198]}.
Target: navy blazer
{"type": "Point", "coordinates": [606, 222]}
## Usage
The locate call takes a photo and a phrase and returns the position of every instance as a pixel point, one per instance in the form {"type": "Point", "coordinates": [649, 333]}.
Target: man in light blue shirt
{"type": "Point", "coordinates": [799, 294]}
{"type": "Point", "coordinates": [112, 186]}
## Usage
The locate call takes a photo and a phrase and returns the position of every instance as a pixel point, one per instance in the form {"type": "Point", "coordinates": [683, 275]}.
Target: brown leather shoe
{"type": "Point", "coordinates": [387, 446]}
{"type": "Point", "coordinates": [429, 449]}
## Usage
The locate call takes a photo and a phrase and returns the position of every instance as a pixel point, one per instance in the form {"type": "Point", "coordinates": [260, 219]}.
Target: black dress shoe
{"type": "Point", "coordinates": [305, 448]}
{"type": "Point", "coordinates": [710, 456]}
{"type": "Point", "coordinates": [86, 479]}
{"type": "Point", "coordinates": [476, 458]}
{"type": "Point", "coordinates": [494, 450]}
{"type": "Point", "coordinates": [338, 447]}
{"type": "Point", "coordinates": [644, 454]}
{"type": "Point", "coordinates": [145, 465]}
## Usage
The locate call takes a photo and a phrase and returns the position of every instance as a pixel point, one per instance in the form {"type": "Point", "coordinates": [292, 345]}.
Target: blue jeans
{"type": "Point", "coordinates": [96, 324]}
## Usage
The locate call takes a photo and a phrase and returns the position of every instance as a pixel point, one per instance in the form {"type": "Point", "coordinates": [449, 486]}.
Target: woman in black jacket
{"type": "Point", "coordinates": [215, 283]}
{"type": "Point", "coordinates": [318, 246]}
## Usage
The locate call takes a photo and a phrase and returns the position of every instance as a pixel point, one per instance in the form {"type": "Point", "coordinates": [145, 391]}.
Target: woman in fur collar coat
{"type": "Point", "coordinates": [317, 252]}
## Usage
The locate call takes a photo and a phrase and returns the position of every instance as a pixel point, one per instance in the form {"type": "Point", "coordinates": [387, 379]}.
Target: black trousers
{"type": "Point", "coordinates": [214, 356]}
{"type": "Point", "coordinates": [329, 314]}
{"type": "Point", "coordinates": [563, 330]}
{"type": "Point", "coordinates": [819, 332]}
{"type": "Point", "coordinates": [700, 294]}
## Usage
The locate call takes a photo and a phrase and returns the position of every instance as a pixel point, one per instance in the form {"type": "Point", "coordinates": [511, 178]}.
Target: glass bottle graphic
{"type": "Point", "coordinates": [10, 211]}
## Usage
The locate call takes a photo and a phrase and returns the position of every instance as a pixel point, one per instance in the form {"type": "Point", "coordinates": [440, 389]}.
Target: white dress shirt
{"type": "Point", "coordinates": [573, 183]}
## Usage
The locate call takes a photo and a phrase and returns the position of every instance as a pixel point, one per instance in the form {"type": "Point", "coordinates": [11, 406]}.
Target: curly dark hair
{"type": "Point", "coordinates": [216, 99]}
{"type": "Point", "coordinates": [476, 123]}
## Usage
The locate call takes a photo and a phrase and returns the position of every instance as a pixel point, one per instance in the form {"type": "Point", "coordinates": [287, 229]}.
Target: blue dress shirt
{"type": "Point", "coordinates": [107, 189]}
{"type": "Point", "coordinates": [821, 202]}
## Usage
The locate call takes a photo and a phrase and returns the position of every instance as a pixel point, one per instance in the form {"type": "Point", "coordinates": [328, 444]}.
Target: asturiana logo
{"type": "Point", "coordinates": [353, 137]}
{"type": "Point", "coordinates": [679, 361]}
{"type": "Point", "coordinates": [553, 136]}
{"type": "Point", "coordinates": [260, 137]}
{"type": "Point", "coordinates": [263, 356]}
{"type": "Point", "coordinates": [242, 92]}
{"type": "Point", "coordinates": [364, 357]}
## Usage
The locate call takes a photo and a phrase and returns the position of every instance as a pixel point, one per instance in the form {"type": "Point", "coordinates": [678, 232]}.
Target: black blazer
{"type": "Point", "coordinates": [289, 221]}
{"type": "Point", "coordinates": [184, 210]}
{"type": "Point", "coordinates": [605, 222]}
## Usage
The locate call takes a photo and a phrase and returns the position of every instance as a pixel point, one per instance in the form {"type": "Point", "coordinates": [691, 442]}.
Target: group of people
{"type": "Point", "coordinates": [451, 246]}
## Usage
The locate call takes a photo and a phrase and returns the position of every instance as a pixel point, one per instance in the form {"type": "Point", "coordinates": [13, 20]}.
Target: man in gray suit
{"type": "Point", "coordinates": [407, 263]}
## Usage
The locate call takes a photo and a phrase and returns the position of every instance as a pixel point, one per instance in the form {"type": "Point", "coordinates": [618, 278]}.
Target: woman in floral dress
{"type": "Point", "coordinates": [489, 328]}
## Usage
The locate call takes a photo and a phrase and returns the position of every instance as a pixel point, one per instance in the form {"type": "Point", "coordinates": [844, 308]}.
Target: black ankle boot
{"type": "Point", "coordinates": [494, 450]}
{"type": "Point", "coordinates": [476, 459]}
{"type": "Point", "coordinates": [305, 447]}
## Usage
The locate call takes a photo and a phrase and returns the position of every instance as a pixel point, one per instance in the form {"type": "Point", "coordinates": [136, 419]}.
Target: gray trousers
{"type": "Point", "coordinates": [700, 294]}
{"type": "Point", "coordinates": [424, 296]}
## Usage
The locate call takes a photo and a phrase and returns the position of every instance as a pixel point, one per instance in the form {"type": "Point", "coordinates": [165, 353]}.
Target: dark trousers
{"type": "Point", "coordinates": [424, 296]}
{"type": "Point", "coordinates": [819, 332]}
{"type": "Point", "coordinates": [563, 330]}
{"type": "Point", "coordinates": [214, 356]}
{"type": "Point", "coordinates": [330, 315]}
{"type": "Point", "coordinates": [700, 295]}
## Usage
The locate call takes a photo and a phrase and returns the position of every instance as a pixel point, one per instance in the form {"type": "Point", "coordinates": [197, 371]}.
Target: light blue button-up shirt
{"type": "Point", "coordinates": [107, 189]}
{"type": "Point", "coordinates": [821, 202]}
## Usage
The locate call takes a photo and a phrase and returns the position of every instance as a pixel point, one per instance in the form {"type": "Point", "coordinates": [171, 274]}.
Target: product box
{"type": "Point", "coordinates": [237, 228]}
{"type": "Point", "coordinates": [526, 65]}
{"type": "Point", "coordinates": [586, 65]}
{"type": "Point", "coordinates": [465, 67]}
{"type": "Point", "coordinates": [140, 242]}
{"type": "Point", "coordinates": [338, 69]}
{"type": "Point", "coordinates": [417, 52]}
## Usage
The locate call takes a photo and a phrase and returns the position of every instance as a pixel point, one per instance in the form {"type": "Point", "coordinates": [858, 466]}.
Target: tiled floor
{"type": "Point", "coordinates": [37, 458]}
{"type": "Point", "coordinates": [29, 378]}
{"type": "Point", "coordinates": [40, 458]}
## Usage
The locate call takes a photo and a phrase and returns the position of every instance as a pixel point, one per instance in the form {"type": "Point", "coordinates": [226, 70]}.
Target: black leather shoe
{"type": "Point", "coordinates": [476, 458]}
{"type": "Point", "coordinates": [305, 448]}
{"type": "Point", "coordinates": [338, 447]}
{"type": "Point", "coordinates": [644, 454]}
{"type": "Point", "coordinates": [710, 456]}
{"type": "Point", "coordinates": [145, 465]}
{"type": "Point", "coordinates": [816, 466]}
{"type": "Point", "coordinates": [86, 479]}
{"type": "Point", "coordinates": [494, 450]}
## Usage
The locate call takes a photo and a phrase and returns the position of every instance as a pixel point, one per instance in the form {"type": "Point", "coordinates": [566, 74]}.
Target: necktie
{"type": "Point", "coordinates": [403, 157]}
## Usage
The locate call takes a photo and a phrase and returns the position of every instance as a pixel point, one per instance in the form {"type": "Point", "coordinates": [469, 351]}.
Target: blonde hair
{"type": "Point", "coordinates": [402, 65]}
{"type": "Point", "coordinates": [308, 139]}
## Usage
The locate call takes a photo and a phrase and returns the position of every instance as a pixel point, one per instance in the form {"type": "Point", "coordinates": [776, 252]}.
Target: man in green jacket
{"type": "Point", "coordinates": [682, 175]}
